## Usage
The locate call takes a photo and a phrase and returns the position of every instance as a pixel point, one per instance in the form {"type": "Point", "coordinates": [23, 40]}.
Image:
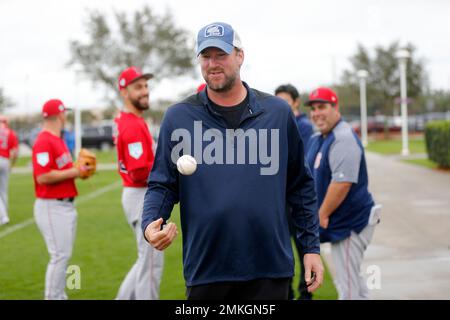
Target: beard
{"type": "Point", "coordinates": [140, 105]}
{"type": "Point", "coordinates": [221, 87]}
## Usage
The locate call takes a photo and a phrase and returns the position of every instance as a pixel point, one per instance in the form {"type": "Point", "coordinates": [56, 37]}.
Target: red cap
{"type": "Point", "coordinates": [322, 94]}
{"type": "Point", "coordinates": [201, 87]}
{"type": "Point", "coordinates": [53, 107]}
{"type": "Point", "coordinates": [130, 75]}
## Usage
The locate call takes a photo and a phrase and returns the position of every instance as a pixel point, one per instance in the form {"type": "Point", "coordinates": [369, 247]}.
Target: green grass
{"type": "Point", "coordinates": [106, 156]}
{"type": "Point", "coordinates": [23, 161]}
{"type": "Point", "coordinates": [422, 162]}
{"type": "Point", "coordinates": [394, 146]}
{"type": "Point", "coordinates": [104, 247]}
{"type": "Point", "coordinates": [326, 292]}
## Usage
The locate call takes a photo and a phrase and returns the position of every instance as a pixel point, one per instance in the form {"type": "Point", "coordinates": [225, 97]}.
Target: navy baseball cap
{"type": "Point", "coordinates": [219, 35]}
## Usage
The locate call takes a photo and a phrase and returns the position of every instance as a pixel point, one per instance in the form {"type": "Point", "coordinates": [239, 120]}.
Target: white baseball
{"type": "Point", "coordinates": [186, 165]}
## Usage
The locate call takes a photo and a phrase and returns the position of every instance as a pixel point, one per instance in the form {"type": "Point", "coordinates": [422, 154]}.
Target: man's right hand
{"type": "Point", "coordinates": [160, 239]}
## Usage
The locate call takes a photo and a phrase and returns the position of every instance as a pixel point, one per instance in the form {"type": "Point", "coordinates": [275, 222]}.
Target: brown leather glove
{"type": "Point", "coordinates": [86, 163]}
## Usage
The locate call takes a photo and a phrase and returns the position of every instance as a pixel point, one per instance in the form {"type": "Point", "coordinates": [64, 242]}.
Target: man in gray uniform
{"type": "Point", "coordinates": [54, 177]}
{"type": "Point", "coordinates": [347, 211]}
{"type": "Point", "coordinates": [135, 156]}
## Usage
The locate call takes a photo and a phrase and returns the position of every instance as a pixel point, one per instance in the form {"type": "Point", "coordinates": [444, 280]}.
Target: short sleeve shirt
{"type": "Point", "coordinates": [8, 141]}
{"type": "Point", "coordinates": [134, 146]}
{"type": "Point", "coordinates": [51, 153]}
{"type": "Point", "coordinates": [345, 155]}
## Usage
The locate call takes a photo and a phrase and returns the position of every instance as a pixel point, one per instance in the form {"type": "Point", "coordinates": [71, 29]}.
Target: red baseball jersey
{"type": "Point", "coordinates": [51, 153]}
{"type": "Point", "coordinates": [8, 141]}
{"type": "Point", "coordinates": [134, 145]}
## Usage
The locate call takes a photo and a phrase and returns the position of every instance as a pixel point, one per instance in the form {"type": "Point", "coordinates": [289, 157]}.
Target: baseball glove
{"type": "Point", "coordinates": [86, 163]}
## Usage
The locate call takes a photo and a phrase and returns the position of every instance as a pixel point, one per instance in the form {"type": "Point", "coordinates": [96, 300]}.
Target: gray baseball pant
{"type": "Point", "coordinates": [347, 257]}
{"type": "Point", "coordinates": [57, 222]}
{"type": "Point", "coordinates": [4, 179]}
{"type": "Point", "coordinates": [143, 280]}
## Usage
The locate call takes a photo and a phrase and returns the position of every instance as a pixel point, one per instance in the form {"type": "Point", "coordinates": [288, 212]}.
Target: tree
{"type": "Point", "coordinates": [5, 102]}
{"type": "Point", "coordinates": [383, 83]}
{"type": "Point", "coordinates": [147, 41]}
{"type": "Point", "coordinates": [437, 101]}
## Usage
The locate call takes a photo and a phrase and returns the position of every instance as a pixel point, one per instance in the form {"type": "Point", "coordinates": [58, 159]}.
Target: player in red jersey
{"type": "Point", "coordinates": [55, 191]}
{"type": "Point", "coordinates": [8, 155]}
{"type": "Point", "coordinates": [135, 155]}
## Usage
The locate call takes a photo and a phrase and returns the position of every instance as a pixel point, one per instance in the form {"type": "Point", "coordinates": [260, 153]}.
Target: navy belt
{"type": "Point", "coordinates": [66, 199]}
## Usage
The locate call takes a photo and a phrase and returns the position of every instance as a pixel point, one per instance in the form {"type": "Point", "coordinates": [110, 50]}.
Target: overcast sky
{"type": "Point", "coordinates": [306, 43]}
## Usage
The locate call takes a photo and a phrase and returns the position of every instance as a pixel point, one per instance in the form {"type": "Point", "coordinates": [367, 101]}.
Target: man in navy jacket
{"type": "Point", "coordinates": [250, 157]}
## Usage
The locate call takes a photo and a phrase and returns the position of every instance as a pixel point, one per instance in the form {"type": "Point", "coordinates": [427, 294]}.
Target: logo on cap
{"type": "Point", "coordinates": [122, 82]}
{"type": "Point", "coordinates": [61, 107]}
{"type": "Point", "coordinates": [215, 30]}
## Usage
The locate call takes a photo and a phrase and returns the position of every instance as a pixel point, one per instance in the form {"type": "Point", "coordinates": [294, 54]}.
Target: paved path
{"type": "Point", "coordinates": [411, 245]}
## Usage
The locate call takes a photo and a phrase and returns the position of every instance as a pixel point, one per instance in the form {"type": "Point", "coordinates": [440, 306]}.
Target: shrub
{"type": "Point", "coordinates": [437, 140]}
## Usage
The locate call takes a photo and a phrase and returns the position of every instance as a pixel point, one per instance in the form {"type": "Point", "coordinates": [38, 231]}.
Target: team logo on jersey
{"type": "Point", "coordinates": [63, 160]}
{"type": "Point", "coordinates": [42, 158]}
{"type": "Point", "coordinates": [135, 150]}
{"type": "Point", "coordinates": [317, 161]}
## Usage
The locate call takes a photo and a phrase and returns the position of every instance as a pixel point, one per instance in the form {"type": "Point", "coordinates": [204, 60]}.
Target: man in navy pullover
{"type": "Point", "coordinates": [236, 242]}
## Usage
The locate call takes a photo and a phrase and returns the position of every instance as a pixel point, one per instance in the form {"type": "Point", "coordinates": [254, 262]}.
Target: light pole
{"type": "Point", "coordinates": [77, 114]}
{"type": "Point", "coordinates": [77, 125]}
{"type": "Point", "coordinates": [403, 56]}
{"type": "Point", "coordinates": [362, 75]}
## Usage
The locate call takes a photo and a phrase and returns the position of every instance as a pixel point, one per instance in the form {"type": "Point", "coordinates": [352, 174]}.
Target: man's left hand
{"type": "Point", "coordinates": [313, 271]}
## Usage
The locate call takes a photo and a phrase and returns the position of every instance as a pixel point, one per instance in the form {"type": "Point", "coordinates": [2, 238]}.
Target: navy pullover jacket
{"type": "Point", "coordinates": [306, 129]}
{"type": "Point", "coordinates": [233, 207]}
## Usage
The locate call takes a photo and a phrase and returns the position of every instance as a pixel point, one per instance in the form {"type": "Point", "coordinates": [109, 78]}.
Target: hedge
{"type": "Point", "coordinates": [437, 140]}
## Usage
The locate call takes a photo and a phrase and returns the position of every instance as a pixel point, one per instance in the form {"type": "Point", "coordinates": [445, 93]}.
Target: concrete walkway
{"type": "Point", "coordinates": [411, 245]}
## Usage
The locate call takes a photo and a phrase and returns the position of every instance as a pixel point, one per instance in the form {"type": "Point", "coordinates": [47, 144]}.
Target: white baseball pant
{"type": "Point", "coordinates": [4, 179]}
{"type": "Point", "coordinates": [57, 222]}
{"type": "Point", "coordinates": [143, 280]}
{"type": "Point", "coordinates": [348, 256]}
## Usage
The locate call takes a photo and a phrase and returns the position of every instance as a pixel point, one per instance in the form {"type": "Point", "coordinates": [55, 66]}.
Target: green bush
{"type": "Point", "coordinates": [437, 140]}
